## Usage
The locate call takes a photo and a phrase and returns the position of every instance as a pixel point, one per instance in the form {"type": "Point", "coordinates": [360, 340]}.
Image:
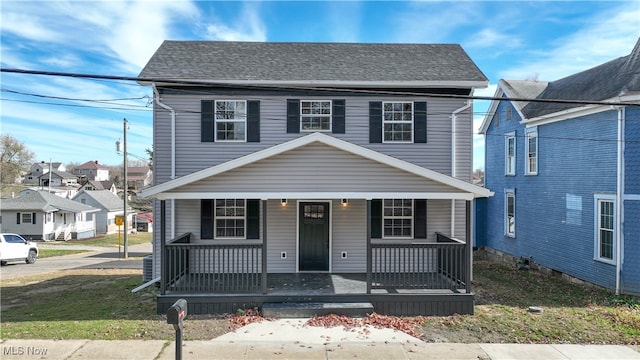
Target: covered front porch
{"type": "Point", "coordinates": [316, 219]}
{"type": "Point", "coordinates": [404, 279]}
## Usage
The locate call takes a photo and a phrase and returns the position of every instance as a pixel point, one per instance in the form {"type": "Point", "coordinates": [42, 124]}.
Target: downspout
{"type": "Point", "coordinates": [156, 96]}
{"type": "Point", "coordinates": [454, 173]}
{"type": "Point", "coordinates": [620, 198]}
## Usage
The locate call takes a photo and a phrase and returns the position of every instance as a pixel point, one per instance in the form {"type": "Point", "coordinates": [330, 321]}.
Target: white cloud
{"type": "Point", "coordinates": [247, 26]}
{"type": "Point", "coordinates": [604, 37]}
{"type": "Point", "coordinates": [27, 26]}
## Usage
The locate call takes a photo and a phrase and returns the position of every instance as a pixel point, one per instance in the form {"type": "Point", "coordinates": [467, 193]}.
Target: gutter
{"type": "Point", "coordinates": [454, 117]}
{"type": "Point", "coordinates": [156, 96]}
{"type": "Point", "coordinates": [620, 198]}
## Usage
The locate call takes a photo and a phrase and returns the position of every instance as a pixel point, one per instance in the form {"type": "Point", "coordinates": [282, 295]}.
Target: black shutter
{"type": "Point", "coordinates": [293, 116]}
{"type": "Point", "coordinates": [338, 117]}
{"type": "Point", "coordinates": [420, 219]}
{"type": "Point", "coordinates": [376, 219]}
{"type": "Point", "coordinates": [420, 122]}
{"type": "Point", "coordinates": [33, 218]}
{"type": "Point", "coordinates": [253, 121]}
{"type": "Point", "coordinates": [375, 122]}
{"type": "Point", "coordinates": [18, 218]}
{"type": "Point", "coordinates": [206, 219]}
{"type": "Point", "coordinates": [253, 219]}
{"type": "Point", "coordinates": [207, 122]}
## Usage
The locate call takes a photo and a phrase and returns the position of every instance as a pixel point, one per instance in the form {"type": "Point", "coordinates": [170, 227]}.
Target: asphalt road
{"type": "Point", "coordinates": [96, 258]}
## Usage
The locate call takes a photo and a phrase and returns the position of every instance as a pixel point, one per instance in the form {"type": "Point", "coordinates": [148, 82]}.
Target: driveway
{"type": "Point", "coordinates": [96, 258]}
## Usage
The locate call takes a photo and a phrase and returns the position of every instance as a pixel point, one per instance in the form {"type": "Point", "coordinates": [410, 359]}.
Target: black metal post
{"type": "Point", "coordinates": [468, 248]}
{"type": "Point", "coordinates": [369, 250]}
{"type": "Point", "coordinates": [163, 248]}
{"type": "Point", "coordinates": [264, 246]}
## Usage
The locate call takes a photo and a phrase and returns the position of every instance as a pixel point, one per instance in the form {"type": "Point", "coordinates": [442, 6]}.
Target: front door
{"type": "Point", "coordinates": [313, 236]}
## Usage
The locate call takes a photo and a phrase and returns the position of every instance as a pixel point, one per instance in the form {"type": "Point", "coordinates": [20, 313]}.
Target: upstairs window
{"type": "Point", "coordinates": [231, 120]}
{"type": "Point", "coordinates": [315, 115]}
{"type": "Point", "coordinates": [397, 218]}
{"type": "Point", "coordinates": [510, 154]}
{"type": "Point", "coordinates": [397, 121]}
{"type": "Point", "coordinates": [531, 150]}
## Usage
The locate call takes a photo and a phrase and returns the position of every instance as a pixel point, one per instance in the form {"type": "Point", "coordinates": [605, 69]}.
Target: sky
{"type": "Point", "coordinates": [72, 120]}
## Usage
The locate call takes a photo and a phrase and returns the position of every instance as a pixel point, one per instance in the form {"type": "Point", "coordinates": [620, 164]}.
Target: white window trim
{"type": "Point", "coordinates": [412, 217]}
{"type": "Point", "coordinates": [532, 132]}
{"type": "Point", "coordinates": [302, 116]}
{"type": "Point", "coordinates": [412, 122]}
{"type": "Point", "coordinates": [215, 121]}
{"type": "Point", "coordinates": [509, 193]}
{"type": "Point", "coordinates": [596, 228]}
{"type": "Point", "coordinates": [22, 218]}
{"type": "Point", "coordinates": [215, 222]}
{"type": "Point", "coordinates": [509, 136]}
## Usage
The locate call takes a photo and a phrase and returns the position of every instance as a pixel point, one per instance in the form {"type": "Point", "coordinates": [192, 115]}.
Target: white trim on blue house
{"type": "Point", "coordinates": [510, 163]}
{"type": "Point", "coordinates": [509, 193]}
{"type": "Point", "coordinates": [530, 132]}
{"type": "Point", "coordinates": [596, 221]}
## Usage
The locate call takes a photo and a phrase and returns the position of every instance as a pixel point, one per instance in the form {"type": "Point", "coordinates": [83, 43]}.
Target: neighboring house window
{"type": "Point", "coordinates": [507, 113]}
{"type": "Point", "coordinates": [531, 152]}
{"type": "Point", "coordinates": [605, 227]}
{"type": "Point", "coordinates": [315, 115]}
{"type": "Point", "coordinates": [230, 218]}
{"type": "Point", "coordinates": [510, 154]}
{"type": "Point", "coordinates": [397, 218]}
{"type": "Point", "coordinates": [397, 121]}
{"type": "Point", "coordinates": [26, 218]}
{"type": "Point", "coordinates": [231, 120]}
{"type": "Point", "coordinates": [510, 213]}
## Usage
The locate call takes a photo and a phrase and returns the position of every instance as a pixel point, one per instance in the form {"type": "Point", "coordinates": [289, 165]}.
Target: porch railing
{"type": "Point", "coordinates": [432, 266]}
{"type": "Point", "coordinates": [211, 268]}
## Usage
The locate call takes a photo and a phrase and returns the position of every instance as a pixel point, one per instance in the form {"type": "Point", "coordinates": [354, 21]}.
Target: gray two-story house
{"type": "Point", "coordinates": [313, 172]}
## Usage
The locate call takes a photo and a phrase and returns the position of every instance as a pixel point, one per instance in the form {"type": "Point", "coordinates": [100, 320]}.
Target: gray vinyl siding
{"type": "Point", "coordinates": [316, 167]}
{"type": "Point", "coordinates": [281, 236]}
{"type": "Point", "coordinates": [193, 155]}
{"type": "Point", "coordinates": [349, 231]}
{"type": "Point", "coordinates": [438, 218]}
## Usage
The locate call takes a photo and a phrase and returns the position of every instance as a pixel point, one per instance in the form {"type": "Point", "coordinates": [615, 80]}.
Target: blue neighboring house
{"type": "Point", "coordinates": [566, 176]}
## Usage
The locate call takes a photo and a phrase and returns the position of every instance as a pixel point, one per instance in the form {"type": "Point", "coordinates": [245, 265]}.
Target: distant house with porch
{"type": "Point", "coordinates": [91, 170]}
{"type": "Point", "coordinates": [295, 161]}
{"type": "Point", "coordinates": [41, 215]}
{"type": "Point", "coordinates": [110, 206]}
{"type": "Point", "coordinates": [38, 169]}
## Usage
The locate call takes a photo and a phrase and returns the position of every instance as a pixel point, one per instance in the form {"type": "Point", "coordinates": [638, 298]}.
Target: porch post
{"type": "Point", "coordinates": [369, 254]}
{"type": "Point", "coordinates": [163, 250]}
{"type": "Point", "coordinates": [264, 246]}
{"type": "Point", "coordinates": [468, 248]}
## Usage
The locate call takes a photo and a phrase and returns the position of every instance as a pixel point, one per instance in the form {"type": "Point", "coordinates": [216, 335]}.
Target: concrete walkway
{"type": "Point", "coordinates": [291, 339]}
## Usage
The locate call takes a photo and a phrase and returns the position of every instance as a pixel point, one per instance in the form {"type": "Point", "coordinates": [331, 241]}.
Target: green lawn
{"type": "Point", "coordinates": [46, 253]}
{"type": "Point", "coordinates": [112, 240]}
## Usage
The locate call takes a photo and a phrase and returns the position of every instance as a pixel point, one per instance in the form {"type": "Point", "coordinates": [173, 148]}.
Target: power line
{"type": "Point", "coordinates": [321, 89]}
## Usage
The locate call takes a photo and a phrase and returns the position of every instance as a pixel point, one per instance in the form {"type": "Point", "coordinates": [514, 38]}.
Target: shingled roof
{"type": "Point", "coordinates": [331, 63]}
{"type": "Point", "coordinates": [617, 77]}
{"type": "Point", "coordinates": [44, 201]}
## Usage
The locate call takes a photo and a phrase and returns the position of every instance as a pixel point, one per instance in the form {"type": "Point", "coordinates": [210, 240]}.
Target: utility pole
{"type": "Point", "coordinates": [126, 190]}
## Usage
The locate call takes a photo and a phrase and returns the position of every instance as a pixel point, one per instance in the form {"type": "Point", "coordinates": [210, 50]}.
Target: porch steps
{"type": "Point", "coordinates": [307, 310]}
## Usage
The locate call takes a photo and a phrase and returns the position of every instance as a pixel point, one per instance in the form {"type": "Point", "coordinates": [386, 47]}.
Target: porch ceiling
{"type": "Point", "coordinates": [316, 166]}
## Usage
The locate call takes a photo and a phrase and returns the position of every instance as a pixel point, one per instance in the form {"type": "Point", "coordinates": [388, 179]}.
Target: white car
{"type": "Point", "coordinates": [14, 247]}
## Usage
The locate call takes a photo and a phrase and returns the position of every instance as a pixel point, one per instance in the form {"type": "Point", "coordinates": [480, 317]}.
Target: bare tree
{"type": "Point", "coordinates": [14, 158]}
